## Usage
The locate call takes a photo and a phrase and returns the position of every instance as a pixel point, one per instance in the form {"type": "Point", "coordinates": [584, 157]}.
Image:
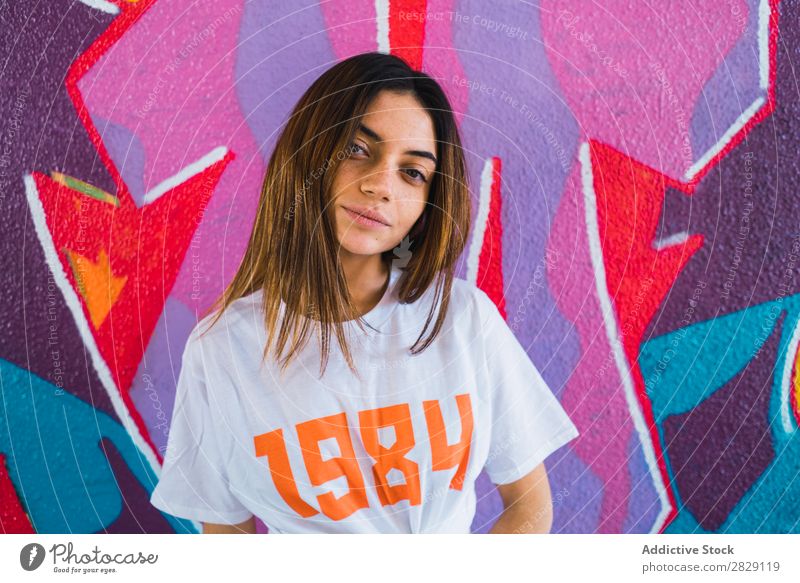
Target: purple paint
{"type": "Point", "coordinates": [50, 137]}
{"type": "Point", "coordinates": [720, 448]}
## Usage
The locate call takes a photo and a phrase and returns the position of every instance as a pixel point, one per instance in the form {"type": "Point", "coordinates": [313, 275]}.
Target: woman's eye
{"type": "Point", "coordinates": [355, 148]}
{"type": "Point", "coordinates": [417, 174]}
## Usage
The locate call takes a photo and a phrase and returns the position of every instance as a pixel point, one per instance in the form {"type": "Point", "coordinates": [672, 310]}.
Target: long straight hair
{"type": "Point", "coordinates": [292, 254]}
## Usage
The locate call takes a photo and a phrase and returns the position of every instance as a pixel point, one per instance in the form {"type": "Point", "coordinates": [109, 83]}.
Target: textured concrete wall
{"type": "Point", "coordinates": [633, 171]}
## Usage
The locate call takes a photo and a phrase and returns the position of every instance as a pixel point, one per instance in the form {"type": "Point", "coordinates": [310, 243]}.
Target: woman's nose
{"type": "Point", "coordinates": [378, 182]}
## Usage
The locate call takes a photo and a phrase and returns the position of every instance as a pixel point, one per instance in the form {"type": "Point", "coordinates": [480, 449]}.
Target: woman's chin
{"type": "Point", "coordinates": [361, 248]}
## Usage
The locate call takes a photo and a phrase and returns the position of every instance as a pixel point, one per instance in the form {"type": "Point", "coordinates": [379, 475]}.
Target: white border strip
{"type": "Point", "coordinates": [786, 380]}
{"type": "Point", "coordinates": [764, 13]}
{"type": "Point", "coordinates": [611, 326]}
{"type": "Point", "coordinates": [674, 239]}
{"type": "Point", "coordinates": [74, 305]}
{"type": "Point", "coordinates": [182, 176]}
{"type": "Point", "coordinates": [382, 22]}
{"type": "Point", "coordinates": [726, 138]}
{"type": "Point", "coordinates": [481, 221]}
{"type": "Point", "coordinates": [101, 5]}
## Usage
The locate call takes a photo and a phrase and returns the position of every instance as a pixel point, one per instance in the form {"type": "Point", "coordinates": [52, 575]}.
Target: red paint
{"type": "Point", "coordinates": [490, 260]}
{"type": "Point", "coordinates": [13, 519]}
{"type": "Point", "coordinates": [147, 245]}
{"type": "Point", "coordinates": [630, 197]}
{"type": "Point", "coordinates": [406, 34]}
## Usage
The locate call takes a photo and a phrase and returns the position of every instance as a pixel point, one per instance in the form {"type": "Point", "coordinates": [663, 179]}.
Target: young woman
{"type": "Point", "coordinates": [363, 214]}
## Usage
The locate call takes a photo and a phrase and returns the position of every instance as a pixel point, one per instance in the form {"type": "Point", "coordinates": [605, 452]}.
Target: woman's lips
{"type": "Point", "coordinates": [362, 220]}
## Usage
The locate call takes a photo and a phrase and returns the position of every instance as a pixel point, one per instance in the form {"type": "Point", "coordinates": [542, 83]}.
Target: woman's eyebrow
{"type": "Point", "coordinates": [377, 138]}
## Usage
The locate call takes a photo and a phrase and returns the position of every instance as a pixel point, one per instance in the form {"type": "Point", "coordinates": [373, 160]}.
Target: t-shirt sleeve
{"type": "Point", "coordinates": [194, 482]}
{"type": "Point", "coordinates": [528, 422]}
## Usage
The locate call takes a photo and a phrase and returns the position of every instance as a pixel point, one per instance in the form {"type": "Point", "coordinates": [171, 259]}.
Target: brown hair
{"type": "Point", "coordinates": [292, 251]}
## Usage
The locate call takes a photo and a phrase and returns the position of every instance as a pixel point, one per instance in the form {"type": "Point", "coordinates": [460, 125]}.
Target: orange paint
{"type": "Point", "coordinates": [96, 283]}
{"type": "Point", "coordinates": [794, 389]}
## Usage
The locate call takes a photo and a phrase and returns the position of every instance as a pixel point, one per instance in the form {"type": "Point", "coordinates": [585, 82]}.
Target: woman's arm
{"type": "Point", "coordinates": [246, 527]}
{"type": "Point", "coordinates": [528, 505]}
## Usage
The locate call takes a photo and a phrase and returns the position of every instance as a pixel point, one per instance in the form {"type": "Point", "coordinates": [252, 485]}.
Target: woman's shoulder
{"type": "Point", "coordinates": [466, 293]}
{"type": "Point", "coordinates": [468, 303]}
{"type": "Point", "coordinates": [473, 305]}
{"type": "Point", "coordinates": [239, 319]}
{"type": "Point", "coordinates": [466, 299]}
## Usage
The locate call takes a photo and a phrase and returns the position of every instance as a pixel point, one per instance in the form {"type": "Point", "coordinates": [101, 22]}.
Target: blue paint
{"type": "Point", "coordinates": [55, 462]}
{"type": "Point", "coordinates": [685, 367]}
{"type": "Point", "coordinates": [706, 356]}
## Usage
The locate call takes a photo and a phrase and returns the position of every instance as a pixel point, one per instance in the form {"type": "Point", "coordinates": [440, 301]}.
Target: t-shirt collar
{"type": "Point", "coordinates": [376, 318]}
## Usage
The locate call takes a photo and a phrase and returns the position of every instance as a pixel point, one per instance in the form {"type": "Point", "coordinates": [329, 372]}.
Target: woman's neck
{"type": "Point", "coordinates": [367, 278]}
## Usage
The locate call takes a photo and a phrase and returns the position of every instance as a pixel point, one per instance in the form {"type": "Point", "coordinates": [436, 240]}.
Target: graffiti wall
{"type": "Point", "coordinates": [633, 171]}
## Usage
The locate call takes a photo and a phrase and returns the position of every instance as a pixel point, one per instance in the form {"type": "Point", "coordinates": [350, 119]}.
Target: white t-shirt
{"type": "Point", "coordinates": [397, 452]}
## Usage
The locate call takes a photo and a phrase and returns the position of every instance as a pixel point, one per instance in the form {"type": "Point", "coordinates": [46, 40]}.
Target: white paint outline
{"type": "Point", "coordinates": [185, 174]}
{"type": "Point", "coordinates": [674, 239]}
{"type": "Point", "coordinates": [726, 138]}
{"type": "Point", "coordinates": [481, 221]}
{"type": "Point", "coordinates": [786, 380]}
{"type": "Point", "coordinates": [612, 330]}
{"type": "Point", "coordinates": [764, 15]}
{"type": "Point", "coordinates": [382, 23]}
{"type": "Point", "coordinates": [101, 5]}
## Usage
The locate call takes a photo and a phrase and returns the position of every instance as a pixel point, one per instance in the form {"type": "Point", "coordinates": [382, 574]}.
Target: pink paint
{"type": "Point", "coordinates": [177, 95]}
{"type": "Point", "coordinates": [349, 34]}
{"type": "Point", "coordinates": [633, 73]}
{"type": "Point", "coordinates": [440, 60]}
{"type": "Point", "coordinates": [594, 395]}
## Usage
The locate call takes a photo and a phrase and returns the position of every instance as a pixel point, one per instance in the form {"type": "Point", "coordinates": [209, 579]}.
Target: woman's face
{"type": "Point", "coordinates": [387, 173]}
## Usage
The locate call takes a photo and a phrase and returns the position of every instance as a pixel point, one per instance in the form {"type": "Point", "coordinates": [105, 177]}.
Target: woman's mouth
{"type": "Point", "coordinates": [365, 221]}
